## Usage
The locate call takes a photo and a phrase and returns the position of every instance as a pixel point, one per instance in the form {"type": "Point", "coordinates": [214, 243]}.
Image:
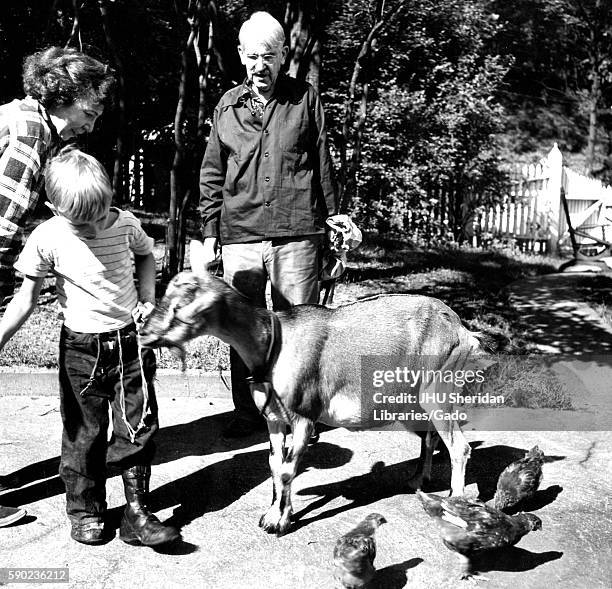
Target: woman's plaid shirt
{"type": "Point", "coordinates": [27, 140]}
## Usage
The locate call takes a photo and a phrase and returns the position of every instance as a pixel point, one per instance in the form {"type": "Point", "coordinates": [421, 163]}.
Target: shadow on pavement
{"type": "Point", "coordinates": [28, 519]}
{"type": "Point", "coordinates": [196, 438]}
{"type": "Point", "coordinates": [30, 473]}
{"type": "Point", "coordinates": [487, 464]}
{"type": "Point", "coordinates": [541, 499]}
{"type": "Point", "coordinates": [394, 576]}
{"type": "Point", "coordinates": [177, 548]}
{"type": "Point", "coordinates": [513, 559]}
{"type": "Point", "coordinates": [45, 469]}
{"type": "Point", "coordinates": [552, 313]}
{"type": "Point", "coordinates": [36, 492]}
{"type": "Point", "coordinates": [220, 484]}
{"type": "Point", "coordinates": [384, 481]}
{"type": "Point", "coordinates": [209, 489]}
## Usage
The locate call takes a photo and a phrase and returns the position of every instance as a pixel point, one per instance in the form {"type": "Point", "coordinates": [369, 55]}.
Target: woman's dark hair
{"type": "Point", "coordinates": [58, 77]}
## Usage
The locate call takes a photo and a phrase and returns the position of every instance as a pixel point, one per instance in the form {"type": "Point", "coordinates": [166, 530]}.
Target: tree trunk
{"type": "Point", "coordinates": [351, 178]}
{"type": "Point", "coordinates": [120, 166]}
{"type": "Point", "coordinates": [303, 25]}
{"type": "Point", "coordinates": [170, 266]}
{"type": "Point", "coordinates": [76, 25]}
{"type": "Point", "coordinates": [212, 10]}
{"type": "Point", "coordinates": [594, 97]}
{"type": "Point", "coordinates": [184, 170]}
{"type": "Point", "coordinates": [203, 67]}
{"type": "Point", "coordinates": [347, 171]}
{"type": "Point", "coordinates": [596, 19]}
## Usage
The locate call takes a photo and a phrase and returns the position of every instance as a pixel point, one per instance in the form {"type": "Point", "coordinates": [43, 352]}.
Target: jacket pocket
{"type": "Point", "coordinates": [293, 134]}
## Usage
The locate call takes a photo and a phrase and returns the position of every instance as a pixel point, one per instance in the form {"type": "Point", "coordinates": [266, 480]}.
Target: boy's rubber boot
{"type": "Point", "coordinates": [139, 526]}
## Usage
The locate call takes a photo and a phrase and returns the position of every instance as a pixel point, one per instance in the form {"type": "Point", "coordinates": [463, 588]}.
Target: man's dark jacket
{"type": "Point", "coordinates": [270, 177]}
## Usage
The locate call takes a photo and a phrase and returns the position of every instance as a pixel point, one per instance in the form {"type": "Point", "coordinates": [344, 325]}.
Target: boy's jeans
{"type": "Point", "coordinates": [91, 377]}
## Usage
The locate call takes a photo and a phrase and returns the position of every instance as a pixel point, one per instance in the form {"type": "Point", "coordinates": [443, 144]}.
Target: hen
{"type": "Point", "coordinates": [354, 554]}
{"type": "Point", "coordinates": [520, 480]}
{"type": "Point", "coordinates": [470, 527]}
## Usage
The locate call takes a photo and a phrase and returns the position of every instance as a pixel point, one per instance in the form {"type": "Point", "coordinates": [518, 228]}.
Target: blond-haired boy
{"type": "Point", "coordinates": [89, 247]}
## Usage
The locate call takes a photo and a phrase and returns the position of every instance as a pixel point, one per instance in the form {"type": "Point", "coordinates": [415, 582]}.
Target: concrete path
{"type": "Point", "coordinates": [216, 493]}
{"type": "Point", "coordinates": [555, 320]}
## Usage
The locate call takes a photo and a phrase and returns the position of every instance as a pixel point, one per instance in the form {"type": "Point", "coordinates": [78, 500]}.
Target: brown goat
{"type": "Point", "coordinates": [307, 365]}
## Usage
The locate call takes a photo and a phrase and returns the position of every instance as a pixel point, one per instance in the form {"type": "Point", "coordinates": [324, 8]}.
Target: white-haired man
{"type": "Point", "coordinates": [266, 188]}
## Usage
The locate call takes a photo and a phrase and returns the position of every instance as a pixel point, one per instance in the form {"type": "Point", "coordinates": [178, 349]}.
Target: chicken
{"type": "Point", "coordinates": [520, 480]}
{"type": "Point", "coordinates": [354, 554]}
{"type": "Point", "coordinates": [470, 527]}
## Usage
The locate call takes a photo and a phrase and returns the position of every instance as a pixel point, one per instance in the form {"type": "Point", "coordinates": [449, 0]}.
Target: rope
{"type": "Point", "coordinates": [145, 387]}
{"type": "Point", "coordinates": [145, 392]}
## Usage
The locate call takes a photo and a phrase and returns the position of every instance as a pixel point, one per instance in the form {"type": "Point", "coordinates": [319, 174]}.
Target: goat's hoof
{"type": "Point", "coordinates": [270, 522]}
{"type": "Point", "coordinates": [284, 525]}
{"type": "Point", "coordinates": [275, 523]}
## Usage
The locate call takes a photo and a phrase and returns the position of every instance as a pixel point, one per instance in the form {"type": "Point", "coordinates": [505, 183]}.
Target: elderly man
{"type": "Point", "coordinates": [266, 189]}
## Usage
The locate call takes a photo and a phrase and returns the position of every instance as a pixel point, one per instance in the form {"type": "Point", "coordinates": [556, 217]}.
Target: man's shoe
{"type": "Point", "coordinates": [239, 427]}
{"type": "Point", "coordinates": [88, 533]}
{"type": "Point", "coordinates": [10, 515]}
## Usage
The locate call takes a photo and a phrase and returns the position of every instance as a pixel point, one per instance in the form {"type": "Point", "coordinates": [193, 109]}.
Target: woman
{"type": "Point", "coordinates": [66, 91]}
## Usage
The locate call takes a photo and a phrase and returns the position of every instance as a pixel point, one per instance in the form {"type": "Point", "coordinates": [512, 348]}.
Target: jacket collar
{"type": "Point", "coordinates": [285, 87]}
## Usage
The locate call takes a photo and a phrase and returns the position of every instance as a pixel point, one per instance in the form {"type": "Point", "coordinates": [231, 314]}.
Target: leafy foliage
{"type": "Point", "coordinates": [453, 89]}
{"type": "Point", "coordinates": [558, 48]}
{"type": "Point", "coordinates": [433, 121]}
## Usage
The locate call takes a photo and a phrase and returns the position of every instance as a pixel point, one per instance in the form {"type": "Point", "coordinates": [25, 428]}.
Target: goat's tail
{"type": "Point", "coordinates": [480, 343]}
{"type": "Point", "coordinates": [490, 343]}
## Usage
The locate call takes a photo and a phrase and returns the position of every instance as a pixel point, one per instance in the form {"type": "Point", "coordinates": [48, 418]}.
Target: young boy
{"type": "Point", "coordinates": [88, 246]}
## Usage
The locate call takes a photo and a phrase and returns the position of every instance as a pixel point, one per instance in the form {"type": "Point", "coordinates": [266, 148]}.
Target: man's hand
{"type": "Point", "coordinates": [201, 255]}
{"type": "Point", "coordinates": [141, 312]}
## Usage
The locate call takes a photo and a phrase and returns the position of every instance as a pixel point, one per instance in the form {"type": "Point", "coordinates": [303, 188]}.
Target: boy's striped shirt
{"type": "Point", "coordinates": [95, 277]}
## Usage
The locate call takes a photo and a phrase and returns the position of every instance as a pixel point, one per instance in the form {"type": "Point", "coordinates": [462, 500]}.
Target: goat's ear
{"type": "Point", "coordinates": [198, 258]}
{"type": "Point", "coordinates": [205, 300]}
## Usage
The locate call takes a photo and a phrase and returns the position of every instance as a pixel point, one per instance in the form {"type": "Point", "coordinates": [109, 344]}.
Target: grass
{"type": "Point", "coordinates": [471, 281]}
{"type": "Point", "coordinates": [35, 345]}
{"type": "Point", "coordinates": [597, 290]}
{"type": "Point", "coordinates": [523, 381]}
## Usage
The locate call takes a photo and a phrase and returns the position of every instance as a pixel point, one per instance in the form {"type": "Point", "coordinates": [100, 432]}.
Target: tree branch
{"type": "Point", "coordinates": [380, 23]}
{"type": "Point", "coordinates": [76, 25]}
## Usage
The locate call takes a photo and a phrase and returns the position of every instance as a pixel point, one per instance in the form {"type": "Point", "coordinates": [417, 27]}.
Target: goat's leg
{"type": "Point", "coordinates": [429, 442]}
{"type": "Point", "coordinates": [278, 518]}
{"type": "Point", "coordinates": [276, 430]}
{"type": "Point", "coordinates": [458, 449]}
{"type": "Point", "coordinates": [434, 399]}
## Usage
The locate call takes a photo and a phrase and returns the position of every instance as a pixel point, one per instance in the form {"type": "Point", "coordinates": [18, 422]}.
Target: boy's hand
{"type": "Point", "coordinates": [141, 312]}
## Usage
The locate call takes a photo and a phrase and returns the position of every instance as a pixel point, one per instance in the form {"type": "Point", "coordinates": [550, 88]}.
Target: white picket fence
{"type": "Point", "coordinates": [532, 213]}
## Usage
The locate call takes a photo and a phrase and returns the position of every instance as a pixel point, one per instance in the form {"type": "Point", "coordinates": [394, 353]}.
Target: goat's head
{"type": "Point", "coordinates": [190, 308]}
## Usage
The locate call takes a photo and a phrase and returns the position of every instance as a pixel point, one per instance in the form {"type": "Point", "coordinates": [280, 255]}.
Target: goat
{"type": "Point", "coordinates": [306, 365]}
